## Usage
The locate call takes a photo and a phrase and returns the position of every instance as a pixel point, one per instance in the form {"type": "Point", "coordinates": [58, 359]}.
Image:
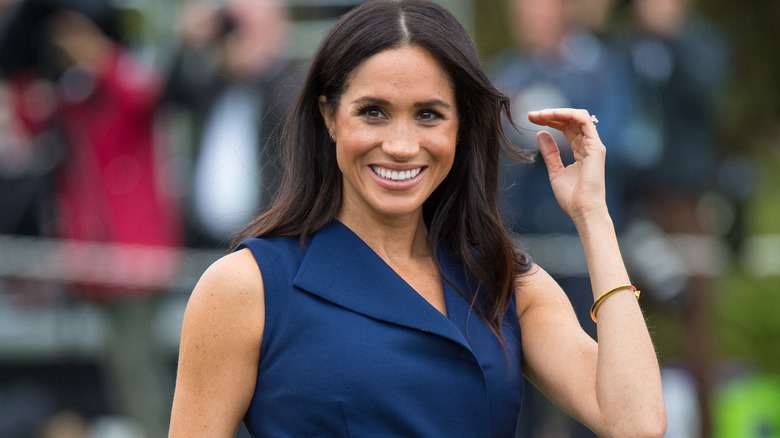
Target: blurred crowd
{"type": "Point", "coordinates": [97, 144]}
{"type": "Point", "coordinates": [100, 145]}
{"type": "Point", "coordinates": [652, 82]}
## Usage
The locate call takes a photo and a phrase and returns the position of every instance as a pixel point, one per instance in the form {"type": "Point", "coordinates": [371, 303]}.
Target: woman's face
{"type": "Point", "coordinates": [395, 128]}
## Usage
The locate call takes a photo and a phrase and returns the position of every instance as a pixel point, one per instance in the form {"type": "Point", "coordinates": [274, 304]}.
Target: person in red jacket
{"type": "Point", "coordinates": [111, 186]}
{"type": "Point", "coordinates": [111, 189]}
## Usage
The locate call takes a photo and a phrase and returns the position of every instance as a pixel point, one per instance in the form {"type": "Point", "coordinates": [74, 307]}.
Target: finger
{"type": "Point", "coordinates": [576, 125]}
{"type": "Point", "coordinates": [550, 152]}
{"type": "Point", "coordinates": [559, 126]}
{"type": "Point", "coordinates": [535, 118]}
{"type": "Point", "coordinates": [561, 118]}
{"type": "Point", "coordinates": [588, 124]}
{"type": "Point", "coordinates": [561, 114]}
{"type": "Point", "coordinates": [543, 117]}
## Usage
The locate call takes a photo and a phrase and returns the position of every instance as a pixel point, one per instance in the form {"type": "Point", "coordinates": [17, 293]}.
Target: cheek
{"type": "Point", "coordinates": [350, 130]}
{"type": "Point", "coordinates": [355, 143]}
{"type": "Point", "coordinates": [446, 147]}
{"type": "Point", "coordinates": [352, 148]}
{"type": "Point", "coordinates": [354, 139]}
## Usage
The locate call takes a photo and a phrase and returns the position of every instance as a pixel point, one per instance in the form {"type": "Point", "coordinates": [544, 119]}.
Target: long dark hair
{"type": "Point", "coordinates": [462, 213]}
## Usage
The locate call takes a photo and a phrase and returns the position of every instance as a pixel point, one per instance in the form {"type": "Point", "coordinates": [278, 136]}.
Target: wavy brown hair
{"type": "Point", "coordinates": [462, 214]}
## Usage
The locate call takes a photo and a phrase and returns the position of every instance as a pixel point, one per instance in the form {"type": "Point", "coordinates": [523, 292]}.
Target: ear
{"type": "Point", "coordinates": [327, 115]}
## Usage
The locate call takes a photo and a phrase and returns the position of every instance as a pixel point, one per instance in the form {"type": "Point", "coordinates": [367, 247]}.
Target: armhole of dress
{"type": "Point", "coordinates": [267, 264]}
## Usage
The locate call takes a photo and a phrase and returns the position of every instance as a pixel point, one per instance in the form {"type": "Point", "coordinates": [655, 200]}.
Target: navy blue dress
{"type": "Point", "coordinates": [349, 349]}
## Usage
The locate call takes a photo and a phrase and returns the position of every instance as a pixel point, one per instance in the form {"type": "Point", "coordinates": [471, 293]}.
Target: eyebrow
{"type": "Point", "coordinates": [385, 102]}
{"type": "Point", "coordinates": [433, 102]}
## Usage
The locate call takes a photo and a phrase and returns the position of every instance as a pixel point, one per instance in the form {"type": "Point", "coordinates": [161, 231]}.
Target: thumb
{"type": "Point", "coordinates": [550, 152]}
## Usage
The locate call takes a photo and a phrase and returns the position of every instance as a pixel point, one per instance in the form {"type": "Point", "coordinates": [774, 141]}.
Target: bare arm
{"type": "Point", "coordinates": [220, 349]}
{"type": "Point", "coordinates": [613, 387]}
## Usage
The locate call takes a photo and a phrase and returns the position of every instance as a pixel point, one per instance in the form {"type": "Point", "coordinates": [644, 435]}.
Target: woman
{"type": "Point", "coordinates": [380, 295]}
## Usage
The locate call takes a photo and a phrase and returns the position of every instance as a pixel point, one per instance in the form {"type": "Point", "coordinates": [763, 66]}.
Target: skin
{"type": "Point", "coordinates": [398, 113]}
{"type": "Point", "coordinates": [613, 386]}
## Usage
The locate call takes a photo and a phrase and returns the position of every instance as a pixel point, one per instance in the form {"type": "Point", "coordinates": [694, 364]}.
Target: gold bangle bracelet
{"type": "Point", "coordinates": [606, 295]}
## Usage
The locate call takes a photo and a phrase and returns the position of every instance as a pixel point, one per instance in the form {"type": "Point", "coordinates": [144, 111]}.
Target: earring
{"type": "Point", "coordinates": [332, 139]}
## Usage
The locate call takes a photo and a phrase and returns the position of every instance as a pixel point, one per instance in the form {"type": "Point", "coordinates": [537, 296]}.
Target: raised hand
{"type": "Point", "coordinates": [80, 39]}
{"type": "Point", "coordinates": [578, 186]}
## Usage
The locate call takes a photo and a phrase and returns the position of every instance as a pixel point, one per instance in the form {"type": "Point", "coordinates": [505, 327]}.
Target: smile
{"type": "Point", "coordinates": [396, 175]}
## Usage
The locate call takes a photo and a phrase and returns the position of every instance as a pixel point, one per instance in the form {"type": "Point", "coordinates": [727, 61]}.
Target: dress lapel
{"type": "Point", "coordinates": [340, 268]}
{"type": "Point", "coordinates": [459, 309]}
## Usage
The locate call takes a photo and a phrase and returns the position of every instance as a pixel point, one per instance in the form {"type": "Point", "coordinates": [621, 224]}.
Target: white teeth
{"type": "Point", "coordinates": [396, 175]}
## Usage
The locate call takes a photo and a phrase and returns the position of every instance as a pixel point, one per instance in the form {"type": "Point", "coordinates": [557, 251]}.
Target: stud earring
{"type": "Point", "coordinates": [332, 139]}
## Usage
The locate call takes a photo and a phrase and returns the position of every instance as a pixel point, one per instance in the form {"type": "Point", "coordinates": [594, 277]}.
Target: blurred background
{"type": "Point", "coordinates": [136, 137]}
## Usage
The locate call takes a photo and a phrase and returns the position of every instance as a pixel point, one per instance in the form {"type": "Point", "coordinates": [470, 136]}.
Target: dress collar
{"type": "Point", "coordinates": [342, 269]}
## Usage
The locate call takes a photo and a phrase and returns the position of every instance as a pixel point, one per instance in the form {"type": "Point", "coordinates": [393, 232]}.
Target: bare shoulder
{"type": "Point", "coordinates": [220, 348]}
{"type": "Point", "coordinates": [231, 284]}
{"type": "Point", "coordinates": [229, 297]}
{"type": "Point", "coordinates": [235, 276]}
{"type": "Point", "coordinates": [228, 301]}
{"type": "Point", "coordinates": [537, 290]}
{"type": "Point", "coordinates": [238, 269]}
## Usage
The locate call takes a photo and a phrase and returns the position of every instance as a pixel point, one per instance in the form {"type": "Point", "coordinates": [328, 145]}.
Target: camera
{"type": "Point", "coordinates": [226, 22]}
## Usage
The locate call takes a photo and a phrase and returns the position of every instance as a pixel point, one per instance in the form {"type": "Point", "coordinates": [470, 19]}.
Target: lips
{"type": "Point", "coordinates": [396, 175]}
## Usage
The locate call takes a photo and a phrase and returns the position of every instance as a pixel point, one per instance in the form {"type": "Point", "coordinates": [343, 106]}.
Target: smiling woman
{"type": "Point", "coordinates": [348, 308]}
{"type": "Point", "coordinates": [397, 117]}
{"type": "Point", "coordinates": [460, 209]}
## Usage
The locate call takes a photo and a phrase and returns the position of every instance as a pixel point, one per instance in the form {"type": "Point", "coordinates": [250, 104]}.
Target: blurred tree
{"type": "Point", "coordinates": [753, 104]}
{"type": "Point", "coordinates": [491, 28]}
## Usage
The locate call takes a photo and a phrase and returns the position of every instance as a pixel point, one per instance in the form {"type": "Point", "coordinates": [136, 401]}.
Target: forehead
{"type": "Point", "coordinates": [404, 69]}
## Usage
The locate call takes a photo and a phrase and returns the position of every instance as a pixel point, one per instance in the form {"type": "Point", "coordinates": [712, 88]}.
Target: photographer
{"type": "Point", "coordinates": [232, 78]}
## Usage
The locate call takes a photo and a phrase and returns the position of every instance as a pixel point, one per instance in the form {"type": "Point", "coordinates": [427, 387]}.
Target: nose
{"type": "Point", "coordinates": [401, 142]}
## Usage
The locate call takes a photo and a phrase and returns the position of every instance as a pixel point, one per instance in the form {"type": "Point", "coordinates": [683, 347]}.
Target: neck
{"type": "Point", "coordinates": [393, 238]}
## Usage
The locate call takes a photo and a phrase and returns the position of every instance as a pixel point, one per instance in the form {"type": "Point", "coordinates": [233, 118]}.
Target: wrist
{"type": "Point", "coordinates": [593, 217]}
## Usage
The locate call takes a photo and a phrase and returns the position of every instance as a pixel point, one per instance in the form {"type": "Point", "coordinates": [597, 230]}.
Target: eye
{"type": "Point", "coordinates": [371, 112]}
{"type": "Point", "coordinates": [429, 115]}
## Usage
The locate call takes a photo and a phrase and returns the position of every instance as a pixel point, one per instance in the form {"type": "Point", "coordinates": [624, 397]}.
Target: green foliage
{"type": "Point", "coordinates": [747, 311]}
{"type": "Point", "coordinates": [491, 27]}
{"type": "Point", "coordinates": [753, 100]}
{"type": "Point", "coordinates": [748, 407]}
{"type": "Point", "coordinates": [762, 211]}
{"type": "Point", "coordinates": [665, 327]}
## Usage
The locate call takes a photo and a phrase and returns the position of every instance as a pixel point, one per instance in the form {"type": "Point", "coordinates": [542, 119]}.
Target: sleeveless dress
{"type": "Point", "coordinates": [349, 349]}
